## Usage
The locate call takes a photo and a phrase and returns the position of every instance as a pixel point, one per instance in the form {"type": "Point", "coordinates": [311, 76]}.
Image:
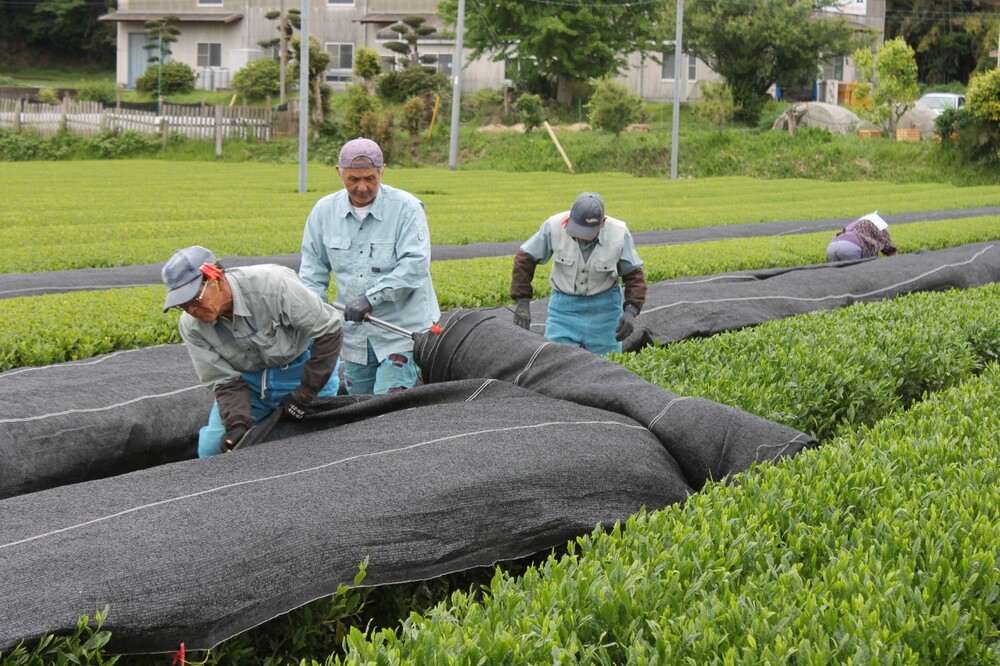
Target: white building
{"type": "Point", "coordinates": [218, 37]}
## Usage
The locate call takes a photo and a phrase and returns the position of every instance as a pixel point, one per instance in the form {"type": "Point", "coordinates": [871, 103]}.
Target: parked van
{"type": "Point", "coordinates": [939, 102]}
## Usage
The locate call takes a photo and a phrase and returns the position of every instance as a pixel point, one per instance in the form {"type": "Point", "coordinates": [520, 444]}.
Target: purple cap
{"type": "Point", "coordinates": [586, 216]}
{"type": "Point", "coordinates": [182, 274]}
{"type": "Point", "coordinates": [360, 153]}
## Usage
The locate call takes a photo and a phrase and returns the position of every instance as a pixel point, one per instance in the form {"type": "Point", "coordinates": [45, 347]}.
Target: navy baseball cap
{"type": "Point", "coordinates": [586, 216]}
{"type": "Point", "coordinates": [182, 274]}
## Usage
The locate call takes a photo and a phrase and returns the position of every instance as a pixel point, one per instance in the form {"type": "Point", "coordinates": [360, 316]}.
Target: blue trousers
{"type": "Point", "coordinates": [396, 372]}
{"type": "Point", "coordinates": [267, 387]}
{"type": "Point", "coordinates": [586, 321]}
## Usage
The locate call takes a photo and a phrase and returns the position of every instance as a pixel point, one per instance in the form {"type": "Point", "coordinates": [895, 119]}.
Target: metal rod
{"type": "Point", "coordinates": [381, 323]}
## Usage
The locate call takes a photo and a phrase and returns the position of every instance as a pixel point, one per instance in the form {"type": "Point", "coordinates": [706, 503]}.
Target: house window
{"type": "Point", "coordinates": [209, 55]}
{"type": "Point", "coordinates": [341, 3]}
{"type": "Point", "coordinates": [341, 62]}
{"type": "Point", "coordinates": [444, 62]}
{"type": "Point", "coordinates": [833, 69]}
{"type": "Point", "coordinates": [667, 69]}
{"type": "Point", "coordinates": [217, 3]}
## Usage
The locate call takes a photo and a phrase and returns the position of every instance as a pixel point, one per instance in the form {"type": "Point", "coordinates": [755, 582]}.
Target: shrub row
{"type": "Point", "coordinates": [99, 214]}
{"type": "Point", "coordinates": [63, 327]}
{"type": "Point", "coordinates": [826, 370]}
{"type": "Point", "coordinates": [881, 546]}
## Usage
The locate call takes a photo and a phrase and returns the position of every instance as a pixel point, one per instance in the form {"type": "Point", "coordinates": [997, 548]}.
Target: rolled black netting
{"type": "Point", "coordinates": [686, 308]}
{"type": "Point", "coordinates": [422, 483]}
{"type": "Point", "coordinates": [90, 419]}
{"type": "Point", "coordinates": [708, 440]}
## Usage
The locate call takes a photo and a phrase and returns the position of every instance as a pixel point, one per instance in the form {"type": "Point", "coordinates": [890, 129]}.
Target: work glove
{"type": "Point", "coordinates": [522, 313]}
{"type": "Point", "coordinates": [294, 406]}
{"type": "Point", "coordinates": [357, 309]}
{"type": "Point", "coordinates": [626, 324]}
{"type": "Point", "coordinates": [234, 435]}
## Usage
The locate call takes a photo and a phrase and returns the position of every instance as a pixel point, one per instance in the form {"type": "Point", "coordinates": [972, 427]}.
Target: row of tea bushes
{"type": "Point", "coordinates": [881, 546]}
{"type": "Point", "coordinates": [42, 330]}
{"type": "Point", "coordinates": [99, 213]}
{"type": "Point", "coordinates": [821, 371]}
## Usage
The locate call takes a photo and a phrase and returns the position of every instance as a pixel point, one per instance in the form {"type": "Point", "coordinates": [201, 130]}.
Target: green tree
{"type": "Point", "coordinates": [754, 44]}
{"type": "Point", "coordinates": [717, 105]}
{"type": "Point", "coordinates": [410, 30]}
{"type": "Point", "coordinates": [567, 42]}
{"type": "Point", "coordinates": [979, 134]}
{"type": "Point", "coordinates": [161, 33]}
{"type": "Point", "coordinates": [319, 93]}
{"type": "Point", "coordinates": [532, 113]}
{"type": "Point", "coordinates": [63, 28]}
{"type": "Point", "coordinates": [367, 66]}
{"type": "Point", "coordinates": [613, 107]}
{"type": "Point", "coordinates": [950, 38]}
{"type": "Point", "coordinates": [983, 96]}
{"type": "Point", "coordinates": [888, 83]}
{"type": "Point", "coordinates": [288, 21]}
{"type": "Point", "coordinates": [258, 79]}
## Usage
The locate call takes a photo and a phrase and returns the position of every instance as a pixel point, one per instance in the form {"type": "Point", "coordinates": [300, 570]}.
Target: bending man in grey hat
{"type": "Point", "coordinates": [375, 241]}
{"type": "Point", "coordinates": [587, 306]}
{"type": "Point", "coordinates": [259, 339]}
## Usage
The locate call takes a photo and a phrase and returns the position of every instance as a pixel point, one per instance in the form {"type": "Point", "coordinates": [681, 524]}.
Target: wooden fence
{"type": "Point", "coordinates": [206, 122]}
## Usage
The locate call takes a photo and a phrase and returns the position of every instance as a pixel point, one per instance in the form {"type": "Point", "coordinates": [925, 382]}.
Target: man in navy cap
{"type": "Point", "coordinates": [374, 239]}
{"type": "Point", "coordinates": [258, 338]}
{"type": "Point", "coordinates": [587, 306]}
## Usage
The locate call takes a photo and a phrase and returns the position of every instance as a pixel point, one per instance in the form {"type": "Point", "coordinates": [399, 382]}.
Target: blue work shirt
{"type": "Point", "coordinates": [386, 257]}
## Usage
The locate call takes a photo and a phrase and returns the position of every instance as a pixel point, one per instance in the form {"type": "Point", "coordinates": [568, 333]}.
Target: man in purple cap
{"type": "Point", "coordinates": [375, 241]}
{"type": "Point", "coordinates": [587, 306]}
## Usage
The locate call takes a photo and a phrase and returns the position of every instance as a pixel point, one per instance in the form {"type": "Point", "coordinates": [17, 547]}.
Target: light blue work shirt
{"type": "Point", "coordinates": [539, 246]}
{"type": "Point", "coordinates": [386, 257]}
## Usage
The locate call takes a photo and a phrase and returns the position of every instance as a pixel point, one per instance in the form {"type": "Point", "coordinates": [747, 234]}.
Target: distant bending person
{"type": "Point", "coordinates": [593, 255]}
{"type": "Point", "coordinates": [861, 239]}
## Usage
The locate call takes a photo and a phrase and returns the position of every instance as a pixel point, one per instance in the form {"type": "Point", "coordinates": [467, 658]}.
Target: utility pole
{"type": "Point", "coordinates": [456, 89]}
{"type": "Point", "coordinates": [303, 96]}
{"type": "Point", "coordinates": [678, 52]}
{"type": "Point", "coordinates": [283, 56]}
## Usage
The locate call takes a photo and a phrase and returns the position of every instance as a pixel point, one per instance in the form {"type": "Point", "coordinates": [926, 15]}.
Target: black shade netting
{"type": "Point", "coordinates": [422, 483]}
{"type": "Point", "coordinates": [708, 440]}
{"type": "Point", "coordinates": [686, 308]}
{"type": "Point", "coordinates": [90, 419]}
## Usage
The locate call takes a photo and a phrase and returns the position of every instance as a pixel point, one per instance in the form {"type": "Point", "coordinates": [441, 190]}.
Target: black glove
{"type": "Point", "coordinates": [626, 324]}
{"type": "Point", "coordinates": [522, 313]}
{"type": "Point", "coordinates": [294, 406]}
{"type": "Point", "coordinates": [357, 309]}
{"type": "Point", "coordinates": [234, 435]}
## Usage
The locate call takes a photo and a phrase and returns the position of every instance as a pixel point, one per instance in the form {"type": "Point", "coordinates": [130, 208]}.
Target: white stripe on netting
{"type": "Point", "coordinates": [102, 359]}
{"type": "Point", "coordinates": [530, 362]}
{"type": "Point", "coordinates": [664, 410]}
{"type": "Point", "coordinates": [90, 410]}
{"type": "Point", "coordinates": [307, 470]}
{"type": "Point", "coordinates": [816, 299]}
{"type": "Point", "coordinates": [60, 290]}
{"type": "Point", "coordinates": [782, 449]}
{"type": "Point", "coordinates": [482, 387]}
